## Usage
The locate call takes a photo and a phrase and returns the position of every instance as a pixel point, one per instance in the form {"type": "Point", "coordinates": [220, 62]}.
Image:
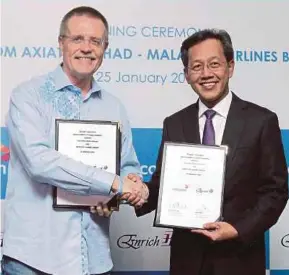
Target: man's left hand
{"type": "Point", "coordinates": [218, 231]}
{"type": "Point", "coordinates": [101, 210]}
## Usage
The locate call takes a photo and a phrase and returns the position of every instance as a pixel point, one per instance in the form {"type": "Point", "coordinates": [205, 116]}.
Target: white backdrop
{"type": "Point", "coordinates": [143, 69]}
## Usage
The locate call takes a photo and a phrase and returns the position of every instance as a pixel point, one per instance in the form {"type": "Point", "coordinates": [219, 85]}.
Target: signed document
{"type": "Point", "coordinates": [191, 185]}
{"type": "Point", "coordinates": [95, 143]}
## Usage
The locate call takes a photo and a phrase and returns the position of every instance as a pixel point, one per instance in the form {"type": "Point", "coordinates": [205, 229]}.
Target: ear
{"type": "Point", "coordinates": [60, 43]}
{"type": "Point", "coordinates": [187, 75]}
{"type": "Point", "coordinates": [106, 45]}
{"type": "Point", "coordinates": [231, 66]}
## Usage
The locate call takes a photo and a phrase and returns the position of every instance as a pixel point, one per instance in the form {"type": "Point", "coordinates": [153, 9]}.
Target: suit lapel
{"type": "Point", "coordinates": [190, 123]}
{"type": "Point", "coordinates": [233, 130]}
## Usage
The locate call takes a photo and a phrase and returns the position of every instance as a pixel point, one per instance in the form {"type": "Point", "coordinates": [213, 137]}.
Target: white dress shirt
{"type": "Point", "coordinates": [219, 120]}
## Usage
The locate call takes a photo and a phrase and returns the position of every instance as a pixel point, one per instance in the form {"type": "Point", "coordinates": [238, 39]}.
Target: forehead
{"type": "Point", "coordinates": [85, 25]}
{"type": "Point", "coordinates": [205, 50]}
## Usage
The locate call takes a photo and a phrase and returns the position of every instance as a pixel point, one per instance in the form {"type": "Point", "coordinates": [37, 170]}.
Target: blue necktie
{"type": "Point", "coordinates": [209, 132]}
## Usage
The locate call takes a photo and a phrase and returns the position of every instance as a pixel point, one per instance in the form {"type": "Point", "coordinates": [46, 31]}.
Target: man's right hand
{"type": "Point", "coordinates": [144, 191]}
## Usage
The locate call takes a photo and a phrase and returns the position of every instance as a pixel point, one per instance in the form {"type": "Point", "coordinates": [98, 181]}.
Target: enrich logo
{"type": "Point", "coordinates": [133, 241]}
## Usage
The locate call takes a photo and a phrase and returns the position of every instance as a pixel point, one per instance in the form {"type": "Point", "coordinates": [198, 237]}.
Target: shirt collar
{"type": "Point", "coordinates": [62, 81]}
{"type": "Point", "coordinates": [222, 108]}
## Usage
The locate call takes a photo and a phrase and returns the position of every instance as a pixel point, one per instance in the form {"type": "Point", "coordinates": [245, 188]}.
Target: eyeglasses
{"type": "Point", "coordinates": [80, 39]}
{"type": "Point", "coordinates": [213, 66]}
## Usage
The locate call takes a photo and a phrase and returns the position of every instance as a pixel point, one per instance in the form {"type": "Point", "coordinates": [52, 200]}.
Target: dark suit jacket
{"type": "Point", "coordinates": [256, 190]}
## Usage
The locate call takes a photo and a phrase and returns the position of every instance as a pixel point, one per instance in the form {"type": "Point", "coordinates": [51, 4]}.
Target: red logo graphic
{"type": "Point", "coordinates": [5, 153]}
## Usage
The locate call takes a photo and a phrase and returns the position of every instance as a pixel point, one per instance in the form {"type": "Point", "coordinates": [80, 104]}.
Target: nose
{"type": "Point", "coordinates": [206, 72]}
{"type": "Point", "coordinates": [85, 46]}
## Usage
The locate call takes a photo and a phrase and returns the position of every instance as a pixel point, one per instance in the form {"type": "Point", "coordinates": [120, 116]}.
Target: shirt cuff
{"type": "Point", "coordinates": [102, 185]}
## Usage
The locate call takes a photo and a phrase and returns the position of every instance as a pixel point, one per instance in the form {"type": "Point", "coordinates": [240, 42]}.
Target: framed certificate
{"type": "Point", "coordinates": [95, 143]}
{"type": "Point", "coordinates": [191, 185]}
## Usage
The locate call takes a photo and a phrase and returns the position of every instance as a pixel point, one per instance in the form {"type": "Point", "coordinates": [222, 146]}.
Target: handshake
{"type": "Point", "coordinates": [134, 191]}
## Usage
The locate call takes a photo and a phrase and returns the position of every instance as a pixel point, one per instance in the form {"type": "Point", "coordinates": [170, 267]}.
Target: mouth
{"type": "Point", "coordinates": [91, 58]}
{"type": "Point", "coordinates": [209, 85]}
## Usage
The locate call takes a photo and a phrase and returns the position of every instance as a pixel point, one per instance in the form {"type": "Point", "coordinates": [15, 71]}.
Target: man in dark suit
{"type": "Point", "coordinates": [256, 188]}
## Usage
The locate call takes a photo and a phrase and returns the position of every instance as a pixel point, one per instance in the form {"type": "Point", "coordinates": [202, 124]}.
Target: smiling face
{"type": "Point", "coordinates": [83, 46]}
{"type": "Point", "coordinates": [208, 72]}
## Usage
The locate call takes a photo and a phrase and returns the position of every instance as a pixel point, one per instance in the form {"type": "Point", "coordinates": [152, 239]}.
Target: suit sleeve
{"type": "Point", "coordinates": [273, 189]}
{"type": "Point", "coordinates": [154, 183]}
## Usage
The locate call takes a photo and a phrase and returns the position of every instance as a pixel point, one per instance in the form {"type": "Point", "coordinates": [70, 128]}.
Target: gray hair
{"type": "Point", "coordinates": [79, 11]}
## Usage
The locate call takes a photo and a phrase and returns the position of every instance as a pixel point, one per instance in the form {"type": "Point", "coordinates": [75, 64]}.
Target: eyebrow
{"type": "Point", "coordinates": [85, 36]}
{"type": "Point", "coordinates": [211, 58]}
